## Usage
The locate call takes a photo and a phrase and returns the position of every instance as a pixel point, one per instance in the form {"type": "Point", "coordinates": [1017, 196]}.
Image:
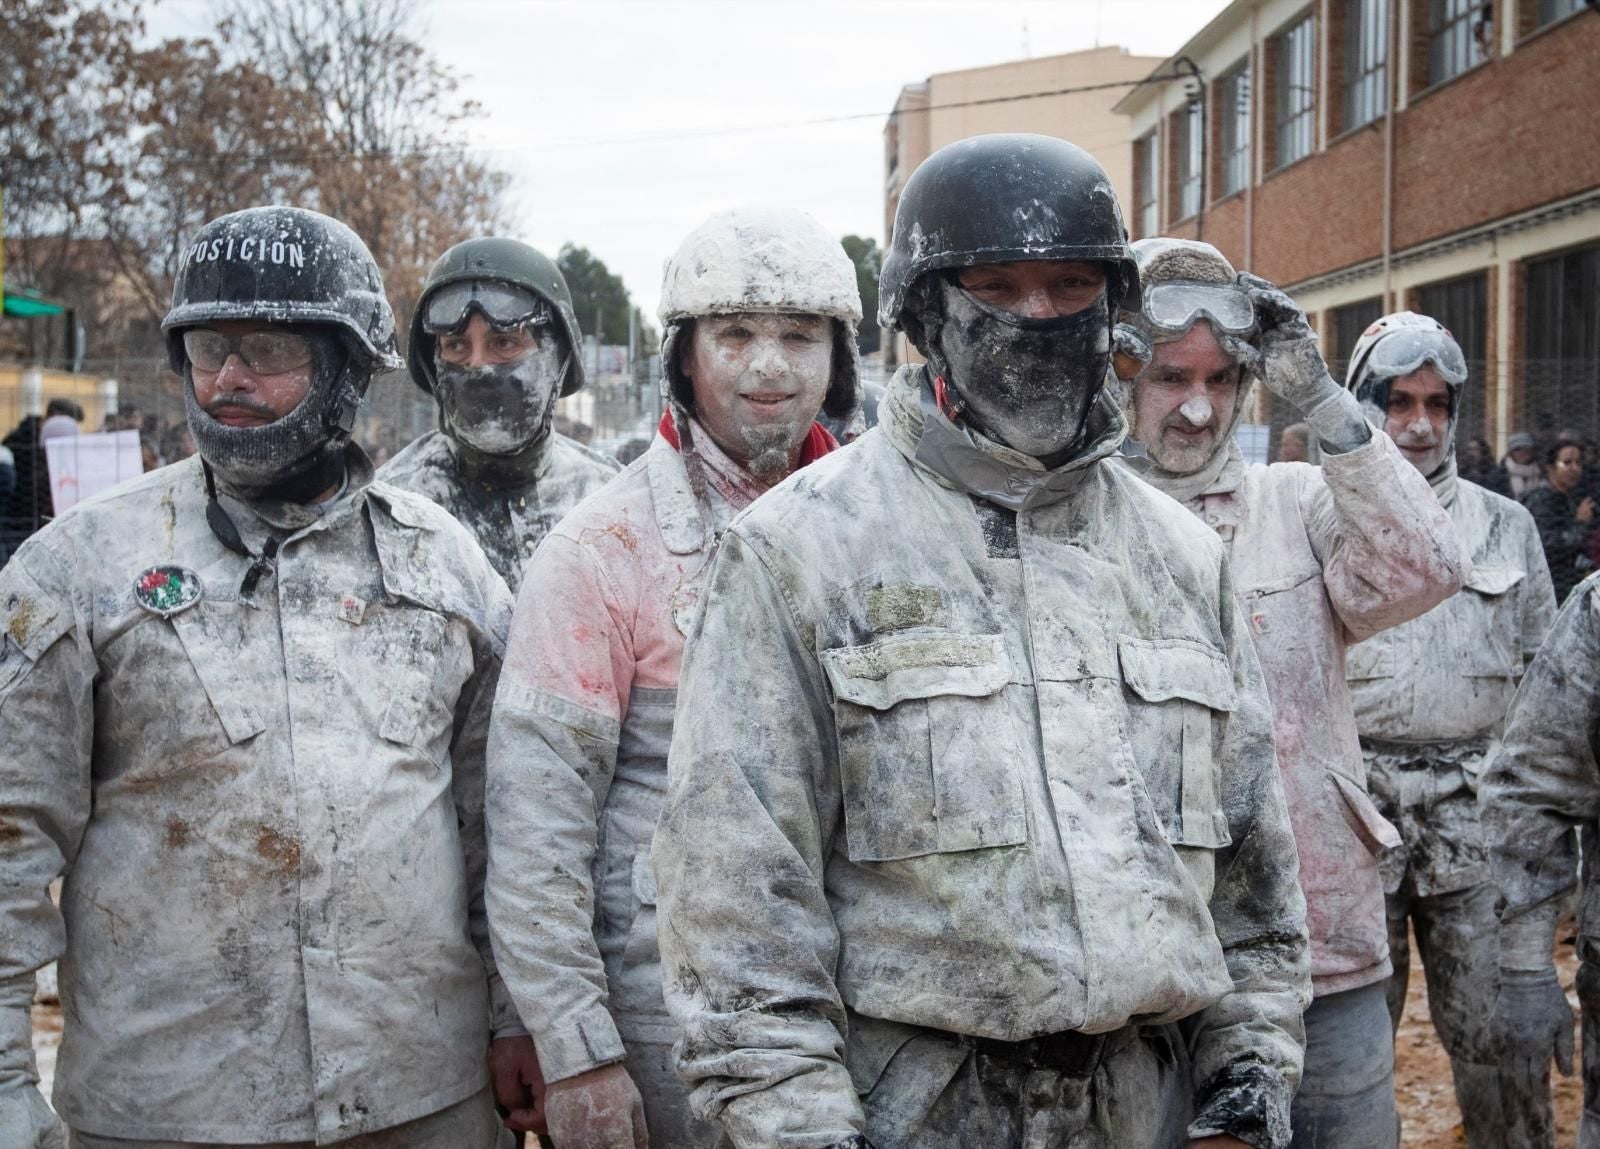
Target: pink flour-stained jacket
{"type": "Point", "coordinates": [579, 738]}
{"type": "Point", "coordinates": [1324, 557]}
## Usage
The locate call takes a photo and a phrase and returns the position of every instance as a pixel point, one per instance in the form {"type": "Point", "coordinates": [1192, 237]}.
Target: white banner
{"type": "Point", "coordinates": [84, 465]}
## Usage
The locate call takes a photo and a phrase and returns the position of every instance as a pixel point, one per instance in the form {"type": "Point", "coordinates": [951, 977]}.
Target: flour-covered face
{"type": "Point", "coordinates": [1417, 418]}
{"type": "Point", "coordinates": [497, 388]}
{"type": "Point", "coordinates": [1184, 399]}
{"type": "Point", "coordinates": [759, 380]}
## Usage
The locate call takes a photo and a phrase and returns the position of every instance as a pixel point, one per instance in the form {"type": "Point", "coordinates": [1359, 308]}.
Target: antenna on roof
{"type": "Point", "coordinates": [1027, 50]}
{"type": "Point", "coordinates": [1099, 10]}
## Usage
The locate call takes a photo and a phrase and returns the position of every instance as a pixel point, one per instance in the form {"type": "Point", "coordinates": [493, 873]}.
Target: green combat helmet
{"type": "Point", "coordinates": [493, 260]}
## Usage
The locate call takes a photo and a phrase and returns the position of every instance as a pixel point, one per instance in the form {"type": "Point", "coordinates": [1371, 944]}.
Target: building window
{"type": "Point", "coordinates": [1552, 10]}
{"type": "Point", "coordinates": [1147, 184]}
{"type": "Point", "coordinates": [1296, 97]}
{"type": "Point", "coordinates": [1452, 38]}
{"type": "Point", "coordinates": [1191, 148]}
{"type": "Point", "coordinates": [1233, 113]}
{"type": "Point", "coordinates": [1561, 343]}
{"type": "Point", "coordinates": [1366, 61]}
{"type": "Point", "coordinates": [1462, 305]}
{"type": "Point", "coordinates": [1349, 322]}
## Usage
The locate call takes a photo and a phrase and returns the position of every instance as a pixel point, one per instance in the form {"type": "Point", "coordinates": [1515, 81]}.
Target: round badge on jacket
{"type": "Point", "coordinates": [167, 590]}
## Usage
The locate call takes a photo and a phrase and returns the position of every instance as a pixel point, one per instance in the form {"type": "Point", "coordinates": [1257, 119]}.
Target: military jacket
{"type": "Point", "coordinates": [1000, 775]}
{"type": "Point", "coordinates": [1450, 674]}
{"type": "Point", "coordinates": [267, 808]}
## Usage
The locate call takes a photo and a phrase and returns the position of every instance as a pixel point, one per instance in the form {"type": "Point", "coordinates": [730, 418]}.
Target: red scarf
{"type": "Point", "coordinates": [818, 441]}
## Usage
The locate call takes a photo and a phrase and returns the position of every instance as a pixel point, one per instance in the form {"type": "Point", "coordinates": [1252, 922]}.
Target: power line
{"type": "Point", "coordinates": [303, 155]}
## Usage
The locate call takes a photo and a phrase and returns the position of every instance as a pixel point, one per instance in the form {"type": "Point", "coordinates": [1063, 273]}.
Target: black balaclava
{"type": "Point", "coordinates": [498, 417]}
{"type": "Point", "coordinates": [1026, 383]}
{"type": "Point", "coordinates": [300, 455]}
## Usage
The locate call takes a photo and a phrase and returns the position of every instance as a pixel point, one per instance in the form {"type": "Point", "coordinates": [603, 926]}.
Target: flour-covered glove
{"type": "Point", "coordinates": [1532, 1021]}
{"type": "Point", "coordinates": [1292, 367]}
{"type": "Point", "coordinates": [26, 1119]}
{"type": "Point", "coordinates": [599, 1109]}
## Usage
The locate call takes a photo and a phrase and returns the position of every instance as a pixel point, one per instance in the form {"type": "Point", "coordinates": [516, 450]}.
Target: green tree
{"type": "Point", "coordinates": [598, 296]}
{"type": "Point", "coordinates": [867, 257]}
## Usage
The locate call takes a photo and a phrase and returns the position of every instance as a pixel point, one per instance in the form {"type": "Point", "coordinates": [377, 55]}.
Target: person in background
{"type": "Point", "coordinates": [1520, 471]}
{"type": "Point", "coordinates": [1478, 466]}
{"type": "Point", "coordinates": [496, 343]}
{"type": "Point", "coordinates": [1565, 516]}
{"type": "Point", "coordinates": [1430, 696]}
{"type": "Point", "coordinates": [1294, 445]}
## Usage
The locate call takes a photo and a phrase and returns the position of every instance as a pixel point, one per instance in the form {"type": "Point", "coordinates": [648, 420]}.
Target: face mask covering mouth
{"type": "Point", "coordinates": [504, 408]}
{"type": "Point", "coordinates": [298, 456]}
{"type": "Point", "coordinates": [1027, 383]}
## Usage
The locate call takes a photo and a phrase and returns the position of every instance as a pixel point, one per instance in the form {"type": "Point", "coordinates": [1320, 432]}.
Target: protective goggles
{"type": "Point", "coordinates": [265, 352]}
{"type": "Point", "coordinates": [503, 305]}
{"type": "Point", "coordinates": [1173, 308]}
{"type": "Point", "coordinates": [1402, 350]}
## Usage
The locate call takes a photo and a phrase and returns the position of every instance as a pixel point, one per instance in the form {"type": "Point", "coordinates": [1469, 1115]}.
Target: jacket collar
{"type": "Point", "coordinates": [678, 513]}
{"type": "Point", "coordinates": [960, 458]}
{"type": "Point", "coordinates": [256, 519]}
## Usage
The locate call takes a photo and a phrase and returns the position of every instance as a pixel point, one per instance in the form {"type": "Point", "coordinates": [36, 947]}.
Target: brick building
{"type": "Point", "coordinates": [1442, 155]}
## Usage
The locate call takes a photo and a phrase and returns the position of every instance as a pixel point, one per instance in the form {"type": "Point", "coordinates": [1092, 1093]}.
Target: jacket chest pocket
{"type": "Point", "coordinates": [1178, 687]}
{"type": "Point", "coordinates": [177, 696]}
{"type": "Point", "coordinates": [414, 652]}
{"type": "Point", "coordinates": [929, 752]}
{"type": "Point", "coordinates": [1490, 634]}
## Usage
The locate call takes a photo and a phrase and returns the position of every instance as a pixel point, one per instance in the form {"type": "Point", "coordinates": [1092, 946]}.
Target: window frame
{"type": "Point", "coordinates": [1234, 124]}
{"type": "Point", "coordinates": [1295, 125]}
{"type": "Point", "coordinates": [1147, 151]}
{"type": "Point", "coordinates": [1449, 33]}
{"type": "Point", "coordinates": [1364, 98]}
{"type": "Point", "coordinates": [1190, 154]}
{"type": "Point", "coordinates": [1560, 363]}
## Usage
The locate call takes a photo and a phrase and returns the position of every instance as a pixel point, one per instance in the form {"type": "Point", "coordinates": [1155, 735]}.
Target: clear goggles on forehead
{"type": "Point", "coordinates": [1403, 350]}
{"type": "Point", "coordinates": [1173, 308]}
{"type": "Point", "coordinates": [503, 305]}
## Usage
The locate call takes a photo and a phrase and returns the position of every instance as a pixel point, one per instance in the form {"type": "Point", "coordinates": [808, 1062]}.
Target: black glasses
{"type": "Point", "coordinates": [266, 352]}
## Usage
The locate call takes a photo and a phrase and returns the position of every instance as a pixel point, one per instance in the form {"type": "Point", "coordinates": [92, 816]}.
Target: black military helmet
{"type": "Point", "coordinates": [494, 259]}
{"type": "Point", "coordinates": [1004, 198]}
{"type": "Point", "coordinates": [283, 265]}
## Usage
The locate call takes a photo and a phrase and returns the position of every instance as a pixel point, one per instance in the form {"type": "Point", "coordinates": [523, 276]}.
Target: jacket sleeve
{"type": "Point", "coordinates": [1544, 780]}
{"type": "Point", "coordinates": [1249, 1046]}
{"type": "Point", "coordinates": [1538, 594]}
{"type": "Point", "coordinates": [748, 942]}
{"type": "Point", "coordinates": [467, 752]}
{"type": "Point", "coordinates": [47, 672]}
{"type": "Point", "coordinates": [552, 752]}
{"type": "Point", "coordinates": [1388, 550]}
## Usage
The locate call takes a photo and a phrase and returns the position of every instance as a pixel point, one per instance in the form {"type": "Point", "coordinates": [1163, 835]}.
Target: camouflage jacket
{"type": "Point", "coordinates": [268, 810]}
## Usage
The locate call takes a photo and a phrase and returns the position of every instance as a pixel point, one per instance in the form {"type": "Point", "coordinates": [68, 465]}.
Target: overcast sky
{"type": "Point", "coordinates": [612, 114]}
